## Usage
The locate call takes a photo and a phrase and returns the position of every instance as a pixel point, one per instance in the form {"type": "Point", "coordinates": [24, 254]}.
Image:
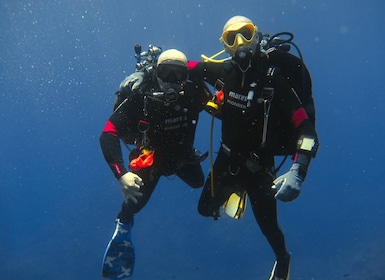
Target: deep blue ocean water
{"type": "Point", "coordinates": [60, 64]}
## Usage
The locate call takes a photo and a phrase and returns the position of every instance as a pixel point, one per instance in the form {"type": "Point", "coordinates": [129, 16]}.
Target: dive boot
{"type": "Point", "coordinates": [281, 268]}
{"type": "Point", "coordinates": [119, 258]}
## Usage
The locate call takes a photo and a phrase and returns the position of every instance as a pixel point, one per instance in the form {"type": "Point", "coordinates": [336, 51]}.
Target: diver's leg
{"type": "Point", "coordinates": [192, 174]}
{"type": "Point", "coordinates": [119, 257]}
{"type": "Point", "coordinates": [264, 207]}
{"type": "Point", "coordinates": [215, 192]}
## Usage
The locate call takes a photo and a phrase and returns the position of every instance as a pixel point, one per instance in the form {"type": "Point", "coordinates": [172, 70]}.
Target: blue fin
{"type": "Point", "coordinates": [119, 258]}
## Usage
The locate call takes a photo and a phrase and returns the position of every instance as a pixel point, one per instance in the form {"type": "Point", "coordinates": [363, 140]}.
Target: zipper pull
{"type": "Point", "coordinates": [250, 95]}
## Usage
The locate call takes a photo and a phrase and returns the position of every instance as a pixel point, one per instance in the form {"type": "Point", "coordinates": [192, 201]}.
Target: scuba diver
{"type": "Point", "coordinates": [256, 96]}
{"type": "Point", "coordinates": [158, 115]}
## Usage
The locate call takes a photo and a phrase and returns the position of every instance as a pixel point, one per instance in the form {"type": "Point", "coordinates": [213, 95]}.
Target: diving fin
{"type": "Point", "coordinates": [119, 257]}
{"type": "Point", "coordinates": [281, 269]}
{"type": "Point", "coordinates": [235, 206]}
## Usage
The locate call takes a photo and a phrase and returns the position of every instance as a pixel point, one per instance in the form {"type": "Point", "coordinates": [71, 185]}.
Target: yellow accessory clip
{"type": "Point", "coordinates": [235, 206]}
{"type": "Point", "coordinates": [216, 102]}
{"type": "Point", "coordinates": [212, 105]}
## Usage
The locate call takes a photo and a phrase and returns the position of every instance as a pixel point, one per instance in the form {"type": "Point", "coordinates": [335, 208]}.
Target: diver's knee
{"type": "Point", "coordinates": [197, 184]}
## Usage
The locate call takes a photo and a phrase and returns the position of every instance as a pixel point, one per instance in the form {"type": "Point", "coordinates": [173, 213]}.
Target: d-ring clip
{"type": "Point", "coordinates": [234, 172]}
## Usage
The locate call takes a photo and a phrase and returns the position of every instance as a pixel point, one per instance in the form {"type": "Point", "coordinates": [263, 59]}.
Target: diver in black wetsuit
{"type": "Point", "coordinates": [159, 118]}
{"type": "Point", "coordinates": [254, 98]}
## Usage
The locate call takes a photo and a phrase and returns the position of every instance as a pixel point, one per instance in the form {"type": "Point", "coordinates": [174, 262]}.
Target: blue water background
{"type": "Point", "coordinates": [60, 63]}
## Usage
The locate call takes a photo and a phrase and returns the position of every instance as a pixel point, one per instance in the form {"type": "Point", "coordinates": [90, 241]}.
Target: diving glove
{"type": "Point", "coordinates": [289, 185]}
{"type": "Point", "coordinates": [133, 81]}
{"type": "Point", "coordinates": [130, 184]}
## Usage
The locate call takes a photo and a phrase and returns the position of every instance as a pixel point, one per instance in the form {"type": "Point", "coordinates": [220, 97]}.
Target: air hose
{"type": "Point", "coordinates": [212, 157]}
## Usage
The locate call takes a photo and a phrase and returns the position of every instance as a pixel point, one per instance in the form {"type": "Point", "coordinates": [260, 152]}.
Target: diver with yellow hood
{"type": "Point", "coordinates": [256, 95]}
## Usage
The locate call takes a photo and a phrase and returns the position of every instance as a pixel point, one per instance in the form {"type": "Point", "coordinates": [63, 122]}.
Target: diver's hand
{"type": "Point", "coordinates": [133, 81]}
{"type": "Point", "coordinates": [289, 185]}
{"type": "Point", "coordinates": [130, 184]}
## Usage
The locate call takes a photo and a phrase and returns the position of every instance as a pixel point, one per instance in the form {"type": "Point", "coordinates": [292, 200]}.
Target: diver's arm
{"type": "Point", "coordinates": [288, 186]}
{"type": "Point", "coordinates": [118, 127]}
{"type": "Point", "coordinates": [204, 71]}
{"type": "Point", "coordinates": [111, 149]}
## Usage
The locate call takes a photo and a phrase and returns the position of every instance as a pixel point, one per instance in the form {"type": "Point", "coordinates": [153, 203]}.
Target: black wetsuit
{"type": "Point", "coordinates": [169, 128]}
{"type": "Point", "coordinates": [242, 139]}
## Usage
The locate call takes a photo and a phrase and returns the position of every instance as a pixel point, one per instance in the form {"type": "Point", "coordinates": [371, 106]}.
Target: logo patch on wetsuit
{"type": "Point", "coordinates": [237, 100]}
{"type": "Point", "coordinates": [175, 123]}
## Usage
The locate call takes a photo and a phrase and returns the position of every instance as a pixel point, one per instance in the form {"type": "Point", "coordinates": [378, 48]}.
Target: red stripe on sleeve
{"type": "Point", "coordinates": [298, 117]}
{"type": "Point", "coordinates": [110, 128]}
{"type": "Point", "coordinates": [192, 64]}
{"type": "Point", "coordinates": [117, 169]}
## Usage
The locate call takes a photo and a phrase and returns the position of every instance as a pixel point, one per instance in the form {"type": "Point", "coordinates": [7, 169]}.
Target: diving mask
{"type": "Point", "coordinates": [171, 79]}
{"type": "Point", "coordinates": [238, 34]}
{"type": "Point", "coordinates": [172, 73]}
